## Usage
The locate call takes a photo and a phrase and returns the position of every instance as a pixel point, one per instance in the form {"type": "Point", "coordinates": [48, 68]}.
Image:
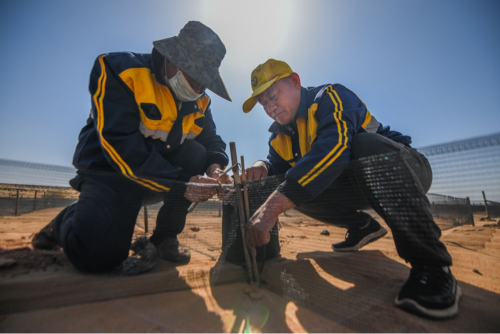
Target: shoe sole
{"type": "Point", "coordinates": [44, 242]}
{"type": "Point", "coordinates": [412, 306]}
{"type": "Point", "coordinates": [182, 258]}
{"type": "Point", "coordinates": [365, 241]}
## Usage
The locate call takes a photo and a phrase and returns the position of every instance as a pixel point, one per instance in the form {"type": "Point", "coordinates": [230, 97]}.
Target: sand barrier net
{"type": "Point", "coordinates": [298, 263]}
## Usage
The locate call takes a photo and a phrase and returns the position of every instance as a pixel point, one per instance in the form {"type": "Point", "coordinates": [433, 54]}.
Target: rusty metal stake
{"type": "Point", "coordinates": [255, 269]}
{"type": "Point", "coordinates": [241, 209]}
{"type": "Point", "coordinates": [245, 189]}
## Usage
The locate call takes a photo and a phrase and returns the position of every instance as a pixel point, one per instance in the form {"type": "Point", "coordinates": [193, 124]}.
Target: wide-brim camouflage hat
{"type": "Point", "coordinates": [198, 51]}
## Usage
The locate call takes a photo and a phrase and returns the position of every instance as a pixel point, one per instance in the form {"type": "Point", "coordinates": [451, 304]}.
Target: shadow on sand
{"type": "Point", "coordinates": [357, 290]}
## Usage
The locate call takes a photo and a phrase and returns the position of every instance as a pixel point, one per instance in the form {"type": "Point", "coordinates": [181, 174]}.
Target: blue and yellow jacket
{"type": "Point", "coordinates": [135, 121]}
{"type": "Point", "coordinates": [315, 149]}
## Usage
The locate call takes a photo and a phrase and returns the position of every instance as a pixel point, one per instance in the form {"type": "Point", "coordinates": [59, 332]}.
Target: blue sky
{"type": "Point", "coordinates": [429, 69]}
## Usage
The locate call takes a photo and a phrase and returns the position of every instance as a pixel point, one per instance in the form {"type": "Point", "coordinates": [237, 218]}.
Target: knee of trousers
{"type": "Point", "coordinates": [94, 253]}
{"type": "Point", "coordinates": [99, 260]}
{"type": "Point", "coordinates": [191, 156]}
{"type": "Point", "coordinates": [367, 144]}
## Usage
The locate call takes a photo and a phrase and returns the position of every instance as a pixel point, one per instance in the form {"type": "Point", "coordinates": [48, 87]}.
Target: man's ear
{"type": "Point", "coordinates": [295, 80]}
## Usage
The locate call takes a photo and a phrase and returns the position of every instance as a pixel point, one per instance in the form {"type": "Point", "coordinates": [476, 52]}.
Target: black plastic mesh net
{"type": "Point", "coordinates": [298, 263]}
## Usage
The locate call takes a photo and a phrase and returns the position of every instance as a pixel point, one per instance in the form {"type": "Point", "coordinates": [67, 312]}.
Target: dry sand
{"type": "Point", "coordinates": [309, 289]}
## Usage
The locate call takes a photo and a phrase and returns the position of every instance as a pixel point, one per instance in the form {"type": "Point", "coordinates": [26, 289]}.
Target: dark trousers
{"type": "Point", "coordinates": [96, 231]}
{"type": "Point", "coordinates": [393, 180]}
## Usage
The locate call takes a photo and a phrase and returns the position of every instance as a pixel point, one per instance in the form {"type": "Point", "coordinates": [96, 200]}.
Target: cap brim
{"type": "Point", "coordinates": [252, 100]}
{"type": "Point", "coordinates": [205, 74]}
{"type": "Point", "coordinates": [249, 104]}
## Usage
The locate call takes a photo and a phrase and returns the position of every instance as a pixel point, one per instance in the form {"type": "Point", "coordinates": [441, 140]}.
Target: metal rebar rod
{"type": "Point", "coordinates": [241, 209]}
{"type": "Point", "coordinates": [192, 207]}
{"type": "Point", "coordinates": [245, 189]}
{"type": "Point", "coordinates": [194, 204]}
{"type": "Point", "coordinates": [255, 269]}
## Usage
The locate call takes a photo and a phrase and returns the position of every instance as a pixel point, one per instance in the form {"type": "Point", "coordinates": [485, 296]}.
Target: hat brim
{"type": "Point", "coordinates": [252, 100]}
{"type": "Point", "coordinates": [206, 74]}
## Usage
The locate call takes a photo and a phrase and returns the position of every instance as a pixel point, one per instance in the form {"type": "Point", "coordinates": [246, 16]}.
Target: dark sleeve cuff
{"type": "Point", "coordinates": [294, 192]}
{"type": "Point", "coordinates": [216, 158]}
{"type": "Point", "coordinates": [269, 168]}
{"type": "Point", "coordinates": [178, 188]}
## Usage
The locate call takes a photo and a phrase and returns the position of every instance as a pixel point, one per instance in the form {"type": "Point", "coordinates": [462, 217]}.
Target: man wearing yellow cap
{"type": "Point", "coordinates": [338, 159]}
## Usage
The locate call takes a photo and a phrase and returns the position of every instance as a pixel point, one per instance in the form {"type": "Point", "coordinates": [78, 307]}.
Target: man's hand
{"type": "Point", "coordinates": [264, 218]}
{"type": "Point", "coordinates": [215, 171]}
{"type": "Point", "coordinates": [203, 192]}
{"type": "Point", "coordinates": [258, 171]}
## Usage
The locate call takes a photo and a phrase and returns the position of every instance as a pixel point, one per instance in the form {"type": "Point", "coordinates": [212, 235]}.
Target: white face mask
{"type": "Point", "coordinates": [181, 87]}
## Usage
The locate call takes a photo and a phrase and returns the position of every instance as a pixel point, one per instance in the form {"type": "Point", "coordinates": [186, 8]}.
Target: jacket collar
{"type": "Point", "coordinates": [277, 128]}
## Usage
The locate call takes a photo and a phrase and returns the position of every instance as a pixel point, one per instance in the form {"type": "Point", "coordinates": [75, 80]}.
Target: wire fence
{"type": "Point", "coordinates": [466, 168]}
{"type": "Point", "coordinates": [16, 200]}
{"type": "Point", "coordinates": [214, 231]}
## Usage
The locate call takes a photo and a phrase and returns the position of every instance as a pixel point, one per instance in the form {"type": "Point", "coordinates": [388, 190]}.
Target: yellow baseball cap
{"type": "Point", "coordinates": [263, 77]}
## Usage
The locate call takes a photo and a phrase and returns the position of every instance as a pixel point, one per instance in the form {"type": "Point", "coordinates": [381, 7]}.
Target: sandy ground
{"type": "Point", "coordinates": [309, 289]}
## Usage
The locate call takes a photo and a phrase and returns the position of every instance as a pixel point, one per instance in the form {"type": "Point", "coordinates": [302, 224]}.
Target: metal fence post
{"type": "Point", "coordinates": [471, 214]}
{"type": "Point", "coordinates": [17, 203]}
{"type": "Point", "coordinates": [486, 206]}
{"type": "Point", "coordinates": [34, 205]}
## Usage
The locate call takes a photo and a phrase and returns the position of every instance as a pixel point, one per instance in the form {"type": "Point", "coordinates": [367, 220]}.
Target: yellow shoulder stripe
{"type": "Point", "coordinates": [339, 147]}
{"type": "Point", "coordinates": [342, 149]}
{"type": "Point", "coordinates": [125, 169]}
{"type": "Point", "coordinates": [337, 96]}
{"type": "Point", "coordinates": [368, 118]}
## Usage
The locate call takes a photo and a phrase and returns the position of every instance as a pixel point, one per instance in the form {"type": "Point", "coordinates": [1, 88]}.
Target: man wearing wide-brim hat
{"type": "Point", "coordinates": [149, 132]}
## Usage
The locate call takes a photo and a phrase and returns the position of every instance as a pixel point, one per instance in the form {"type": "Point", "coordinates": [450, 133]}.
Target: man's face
{"type": "Point", "coordinates": [171, 70]}
{"type": "Point", "coordinates": [281, 100]}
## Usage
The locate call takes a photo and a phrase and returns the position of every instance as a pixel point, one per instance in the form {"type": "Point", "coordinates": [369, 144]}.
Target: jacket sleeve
{"type": "Point", "coordinates": [213, 143]}
{"type": "Point", "coordinates": [116, 119]}
{"type": "Point", "coordinates": [339, 114]}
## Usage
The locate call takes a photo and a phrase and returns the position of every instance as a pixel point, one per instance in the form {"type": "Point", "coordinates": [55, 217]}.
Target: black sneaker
{"type": "Point", "coordinates": [355, 239]}
{"type": "Point", "coordinates": [45, 239]}
{"type": "Point", "coordinates": [169, 250]}
{"type": "Point", "coordinates": [144, 258]}
{"type": "Point", "coordinates": [430, 291]}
